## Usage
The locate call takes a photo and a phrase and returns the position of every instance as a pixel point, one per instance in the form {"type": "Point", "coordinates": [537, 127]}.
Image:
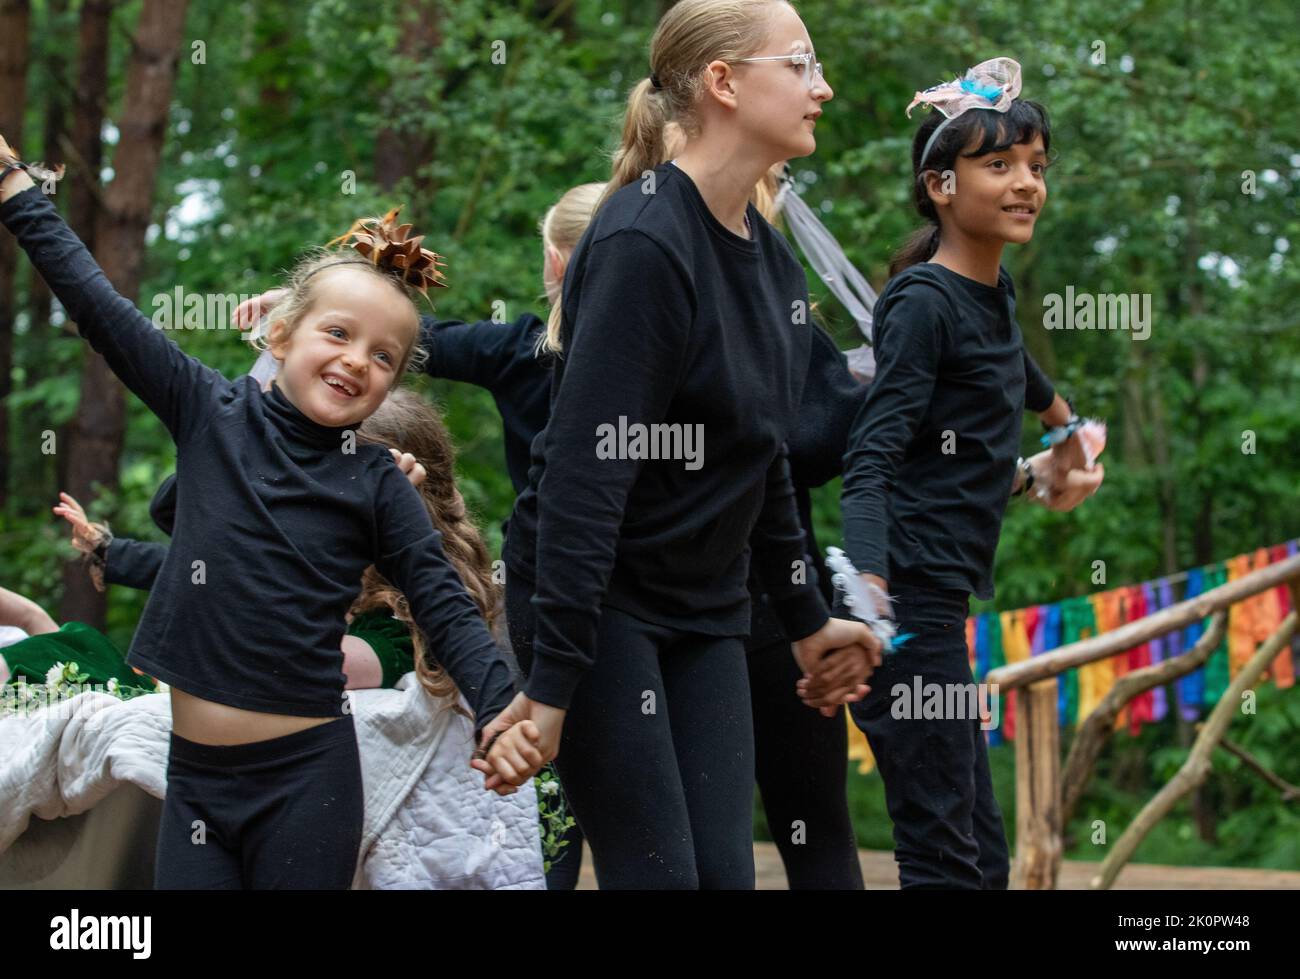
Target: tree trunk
{"type": "Point", "coordinates": [40, 339]}
{"type": "Point", "coordinates": [84, 155]}
{"type": "Point", "coordinates": [95, 446]}
{"type": "Point", "coordinates": [400, 151]}
{"type": "Point", "coordinates": [560, 13]}
{"type": "Point", "coordinates": [14, 18]}
{"type": "Point", "coordinates": [1204, 814]}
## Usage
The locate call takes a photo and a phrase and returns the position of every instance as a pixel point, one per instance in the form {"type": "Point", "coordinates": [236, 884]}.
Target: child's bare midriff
{"type": "Point", "coordinates": [205, 722]}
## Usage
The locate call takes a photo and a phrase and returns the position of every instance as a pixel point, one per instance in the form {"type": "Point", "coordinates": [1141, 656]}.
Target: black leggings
{"type": "Point", "coordinates": [947, 825]}
{"type": "Point", "coordinates": [802, 766]}
{"type": "Point", "coordinates": [657, 755]}
{"type": "Point", "coordinates": [275, 814]}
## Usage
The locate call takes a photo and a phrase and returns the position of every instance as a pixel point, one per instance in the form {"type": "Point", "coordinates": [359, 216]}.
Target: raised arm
{"type": "Point", "coordinates": [475, 353]}
{"type": "Point", "coordinates": [174, 385]}
{"type": "Point", "coordinates": [133, 563]}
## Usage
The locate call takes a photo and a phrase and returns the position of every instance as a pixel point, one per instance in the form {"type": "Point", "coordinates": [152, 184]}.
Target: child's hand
{"type": "Point", "coordinates": [1060, 472]}
{"type": "Point", "coordinates": [85, 535]}
{"type": "Point", "coordinates": [250, 311]}
{"type": "Point", "coordinates": [540, 726]}
{"type": "Point", "coordinates": [514, 758]}
{"type": "Point", "coordinates": [838, 678]}
{"type": "Point", "coordinates": [413, 470]}
{"type": "Point", "coordinates": [836, 660]}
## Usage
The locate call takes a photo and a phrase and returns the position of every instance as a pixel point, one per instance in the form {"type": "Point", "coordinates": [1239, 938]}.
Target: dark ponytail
{"type": "Point", "coordinates": [1023, 121]}
{"type": "Point", "coordinates": [919, 247]}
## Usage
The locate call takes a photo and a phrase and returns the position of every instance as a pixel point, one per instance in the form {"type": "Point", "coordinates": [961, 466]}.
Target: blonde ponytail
{"type": "Point", "coordinates": [561, 229]}
{"type": "Point", "coordinates": [690, 35]}
{"type": "Point", "coordinates": [642, 146]}
{"type": "Point", "coordinates": [660, 118]}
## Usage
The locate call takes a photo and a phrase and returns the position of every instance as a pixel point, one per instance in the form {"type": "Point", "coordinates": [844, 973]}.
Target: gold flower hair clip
{"type": "Point", "coordinates": [388, 245]}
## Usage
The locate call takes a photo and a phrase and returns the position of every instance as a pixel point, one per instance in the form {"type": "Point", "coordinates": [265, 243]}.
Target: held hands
{"type": "Point", "coordinates": [836, 660]}
{"type": "Point", "coordinates": [523, 738]}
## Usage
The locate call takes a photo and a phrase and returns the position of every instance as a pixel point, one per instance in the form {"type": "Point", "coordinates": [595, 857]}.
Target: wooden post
{"type": "Point", "coordinates": [1197, 766]}
{"type": "Point", "coordinates": [1038, 788]}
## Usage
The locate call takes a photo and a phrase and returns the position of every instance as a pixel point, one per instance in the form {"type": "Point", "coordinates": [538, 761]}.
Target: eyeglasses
{"type": "Point", "coordinates": [812, 70]}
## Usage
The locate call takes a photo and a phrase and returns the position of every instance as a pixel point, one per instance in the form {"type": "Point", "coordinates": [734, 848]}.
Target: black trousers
{"type": "Point", "coordinates": [802, 767]}
{"type": "Point", "coordinates": [657, 755]}
{"type": "Point", "coordinates": [285, 813]}
{"type": "Point", "coordinates": [948, 829]}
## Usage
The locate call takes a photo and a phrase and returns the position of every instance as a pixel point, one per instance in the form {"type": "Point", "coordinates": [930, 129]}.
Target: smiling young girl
{"type": "Point", "coordinates": [379, 647]}
{"type": "Point", "coordinates": [279, 511]}
{"type": "Point", "coordinates": [681, 306]}
{"type": "Point", "coordinates": [932, 458]}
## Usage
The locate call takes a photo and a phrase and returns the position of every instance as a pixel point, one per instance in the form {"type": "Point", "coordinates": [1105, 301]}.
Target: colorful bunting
{"type": "Point", "coordinates": [997, 638]}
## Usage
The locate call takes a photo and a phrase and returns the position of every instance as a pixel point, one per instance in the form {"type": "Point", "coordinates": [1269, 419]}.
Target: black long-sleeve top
{"type": "Point", "coordinates": [830, 402]}
{"type": "Point", "coordinates": [275, 520]}
{"type": "Point", "coordinates": [136, 563]}
{"type": "Point", "coordinates": [933, 449]}
{"type": "Point", "coordinates": [500, 358]}
{"type": "Point", "coordinates": [669, 318]}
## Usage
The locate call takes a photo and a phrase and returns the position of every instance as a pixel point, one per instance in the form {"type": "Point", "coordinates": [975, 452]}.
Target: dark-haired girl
{"type": "Point", "coordinates": [932, 459]}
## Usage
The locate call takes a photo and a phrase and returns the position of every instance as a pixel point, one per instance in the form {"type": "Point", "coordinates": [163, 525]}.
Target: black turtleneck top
{"type": "Point", "coordinates": [276, 519]}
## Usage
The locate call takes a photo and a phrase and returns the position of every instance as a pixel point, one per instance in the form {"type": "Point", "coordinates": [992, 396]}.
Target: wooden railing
{"type": "Point", "coordinates": [1045, 799]}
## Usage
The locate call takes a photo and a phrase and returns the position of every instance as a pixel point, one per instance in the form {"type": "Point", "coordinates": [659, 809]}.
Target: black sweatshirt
{"type": "Point", "coordinates": [276, 520]}
{"type": "Point", "coordinates": [500, 358]}
{"type": "Point", "coordinates": [831, 398]}
{"type": "Point", "coordinates": [669, 319]}
{"type": "Point", "coordinates": [932, 453]}
{"type": "Point", "coordinates": [133, 563]}
{"type": "Point", "coordinates": [136, 563]}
